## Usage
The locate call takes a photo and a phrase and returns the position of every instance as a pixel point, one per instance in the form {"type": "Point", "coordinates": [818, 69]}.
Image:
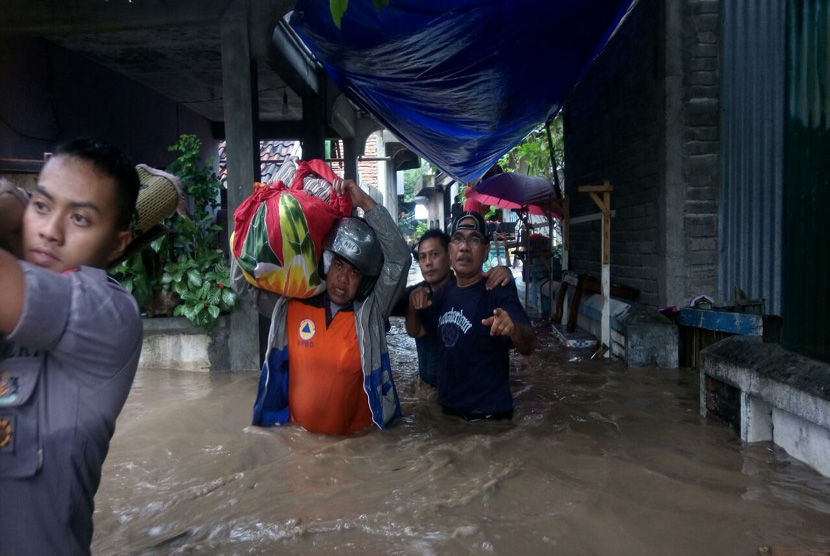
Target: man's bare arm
{"type": "Point", "coordinates": [497, 276]}
{"type": "Point", "coordinates": [418, 299]}
{"type": "Point", "coordinates": [522, 336]}
{"type": "Point", "coordinates": [12, 289]}
{"type": "Point", "coordinates": [12, 206]}
{"type": "Point", "coordinates": [360, 198]}
{"type": "Point", "coordinates": [391, 283]}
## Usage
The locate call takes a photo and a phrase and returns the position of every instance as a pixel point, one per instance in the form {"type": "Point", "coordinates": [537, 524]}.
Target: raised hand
{"type": "Point", "coordinates": [419, 298]}
{"type": "Point", "coordinates": [500, 323]}
{"type": "Point", "coordinates": [498, 276]}
{"type": "Point", "coordinates": [359, 197]}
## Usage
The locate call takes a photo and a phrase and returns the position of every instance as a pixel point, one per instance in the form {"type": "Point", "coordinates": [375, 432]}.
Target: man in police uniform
{"type": "Point", "coordinates": [70, 339]}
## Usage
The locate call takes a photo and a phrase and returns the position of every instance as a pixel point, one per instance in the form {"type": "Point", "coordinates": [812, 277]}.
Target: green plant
{"type": "Point", "coordinates": [198, 179]}
{"type": "Point", "coordinates": [185, 271]}
{"type": "Point", "coordinates": [406, 224]}
{"type": "Point", "coordinates": [135, 279]}
{"type": "Point", "coordinates": [421, 228]}
{"type": "Point", "coordinates": [532, 154]}
{"type": "Point", "coordinates": [203, 295]}
{"type": "Point", "coordinates": [493, 213]}
{"type": "Point", "coordinates": [339, 7]}
{"type": "Point", "coordinates": [410, 178]}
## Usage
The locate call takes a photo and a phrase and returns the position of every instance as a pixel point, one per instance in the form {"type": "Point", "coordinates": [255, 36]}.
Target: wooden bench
{"type": "Point", "coordinates": [582, 283]}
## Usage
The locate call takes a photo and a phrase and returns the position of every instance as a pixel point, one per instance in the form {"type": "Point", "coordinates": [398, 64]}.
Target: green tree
{"type": "Point", "coordinates": [532, 154]}
{"type": "Point", "coordinates": [411, 177]}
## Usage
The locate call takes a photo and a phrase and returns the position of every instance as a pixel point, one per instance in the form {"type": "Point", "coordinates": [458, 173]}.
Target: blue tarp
{"type": "Point", "coordinates": [460, 82]}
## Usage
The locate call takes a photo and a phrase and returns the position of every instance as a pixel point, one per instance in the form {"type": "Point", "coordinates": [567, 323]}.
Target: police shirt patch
{"type": "Point", "coordinates": [8, 389]}
{"type": "Point", "coordinates": [307, 329]}
{"type": "Point", "coordinates": [6, 433]}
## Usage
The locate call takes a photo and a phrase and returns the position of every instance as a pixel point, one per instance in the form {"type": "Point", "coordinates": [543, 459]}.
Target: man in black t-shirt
{"type": "Point", "coordinates": [475, 327]}
{"type": "Point", "coordinates": [434, 262]}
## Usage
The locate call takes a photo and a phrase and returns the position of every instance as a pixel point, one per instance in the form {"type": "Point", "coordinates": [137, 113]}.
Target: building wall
{"type": "Point", "coordinates": [612, 126]}
{"type": "Point", "coordinates": [370, 172]}
{"type": "Point", "coordinates": [645, 117]}
{"type": "Point", "coordinates": [701, 132]}
{"type": "Point", "coordinates": [368, 169]}
{"type": "Point", "coordinates": [751, 195]}
{"type": "Point", "coordinates": [48, 94]}
{"type": "Point", "coordinates": [436, 209]}
{"type": "Point", "coordinates": [806, 177]}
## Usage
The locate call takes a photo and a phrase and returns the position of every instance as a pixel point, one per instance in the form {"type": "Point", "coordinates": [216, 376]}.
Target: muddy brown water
{"type": "Point", "coordinates": [598, 460]}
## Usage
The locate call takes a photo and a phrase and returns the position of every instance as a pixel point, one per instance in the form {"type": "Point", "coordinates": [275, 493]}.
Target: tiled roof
{"type": "Point", "coordinates": [271, 155]}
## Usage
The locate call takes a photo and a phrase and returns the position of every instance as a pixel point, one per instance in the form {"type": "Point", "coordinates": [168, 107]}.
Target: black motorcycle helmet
{"type": "Point", "coordinates": [352, 239]}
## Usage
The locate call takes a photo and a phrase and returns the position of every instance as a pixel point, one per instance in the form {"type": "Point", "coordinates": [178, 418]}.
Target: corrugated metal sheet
{"type": "Point", "coordinates": [751, 156]}
{"type": "Point", "coordinates": [807, 180]}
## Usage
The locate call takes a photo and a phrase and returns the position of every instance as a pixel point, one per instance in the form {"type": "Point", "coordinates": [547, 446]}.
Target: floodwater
{"type": "Point", "coordinates": [598, 460]}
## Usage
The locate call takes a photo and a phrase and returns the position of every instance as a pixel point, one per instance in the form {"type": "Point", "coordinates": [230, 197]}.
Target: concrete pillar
{"type": "Point", "coordinates": [802, 439]}
{"type": "Point", "coordinates": [350, 159]}
{"type": "Point", "coordinates": [390, 197]}
{"type": "Point", "coordinates": [313, 138]}
{"type": "Point", "coordinates": [440, 210]}
{"type": "Point", "coordinates": [704, 410]}
{"type": "Point", "coordinates": [242, 150]}
{"type": "Point", "coordinates": [671, 281]}
{"type": "Point", "coordinates": [756, 419]}
{"type": "Point", "coordinates": [380, 170]}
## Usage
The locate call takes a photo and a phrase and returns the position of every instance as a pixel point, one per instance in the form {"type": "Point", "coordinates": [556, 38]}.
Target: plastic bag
{"type": "Point", "coordinates": [279, 231]}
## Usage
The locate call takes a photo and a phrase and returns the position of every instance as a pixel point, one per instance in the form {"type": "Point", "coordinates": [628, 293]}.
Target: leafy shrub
{"type": "Point", "coordinates": [421, 228]}
{"type": "Point", "coordinates": [185, 272]}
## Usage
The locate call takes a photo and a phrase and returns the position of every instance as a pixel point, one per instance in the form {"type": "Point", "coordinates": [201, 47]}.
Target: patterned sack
{"type": "Point", "coordinates": [309, 180]}
{"type": "Point", "coordinates": [279, 232]}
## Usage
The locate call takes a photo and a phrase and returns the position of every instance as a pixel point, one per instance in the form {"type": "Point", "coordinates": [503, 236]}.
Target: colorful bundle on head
{"type": "Point", "coordinates": [279, 233]}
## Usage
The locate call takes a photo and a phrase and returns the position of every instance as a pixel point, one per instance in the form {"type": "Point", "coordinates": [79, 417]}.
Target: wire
{"type": "Point", "coordinates": [50, 87]}
{"type": "Point", "coordinates": [25, 135]}
{"type": "Point", "coordinates": [285, 87]}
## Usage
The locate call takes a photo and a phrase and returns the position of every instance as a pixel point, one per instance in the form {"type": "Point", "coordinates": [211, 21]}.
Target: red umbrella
{"type": "Point", "coordinates": [472, 203]}
{"type": "Point", "coordinates": [515, 191]}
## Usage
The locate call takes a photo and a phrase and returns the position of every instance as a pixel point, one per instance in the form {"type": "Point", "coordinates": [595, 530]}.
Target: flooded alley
{"type": "Point", "coordinates": [654, 173]}
{"type": "Point", "coordinates": [599, 459]}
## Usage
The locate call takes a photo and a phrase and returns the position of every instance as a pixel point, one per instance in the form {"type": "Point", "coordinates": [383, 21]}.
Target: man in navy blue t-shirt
{"type": "Point", "coordinates": [476, 328]}
{"type": "Point", "coordinates": [434, 262]}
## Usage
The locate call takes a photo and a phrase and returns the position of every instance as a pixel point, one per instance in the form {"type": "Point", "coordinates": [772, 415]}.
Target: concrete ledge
{"type": "Point", "coordinates": [774, 395]}
{"type": "Point", "coordinates": [174, 343]}
{"type": "Point", "coordinates": [640, 335]}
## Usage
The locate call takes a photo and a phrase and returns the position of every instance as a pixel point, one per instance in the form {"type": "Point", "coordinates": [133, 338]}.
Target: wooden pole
{"type": "Point", "coordinates": [526, 262]}
{"type": "Point", "coordinates": [238, 88]}
{"type": "Point", "coordinates": [604, 204]}
{"type": "Point", "coordinates": [550, 268]}
{"type": "Point", "coordinates": [606, 272]}
{"type": "Point", "coordinates": [566, 232]}
{"type": "Point", "coordinates": [566, 239]}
